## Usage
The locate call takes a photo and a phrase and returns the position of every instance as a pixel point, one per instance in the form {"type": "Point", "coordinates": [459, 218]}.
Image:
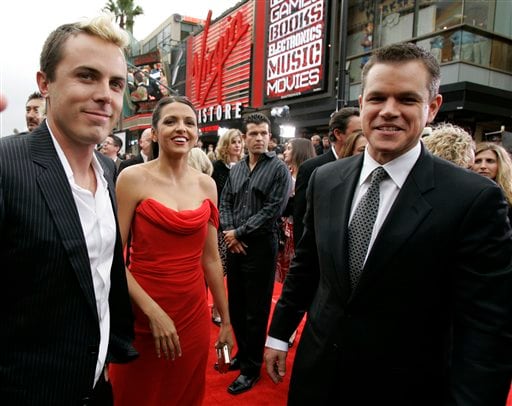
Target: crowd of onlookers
{"type": "Point", "coordinates": [401, 260]}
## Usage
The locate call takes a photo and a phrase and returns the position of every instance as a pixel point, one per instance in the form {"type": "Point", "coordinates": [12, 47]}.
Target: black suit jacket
{"type": "Point", "coordinates": [132, 161]}
{"type": "Point", "coordinates": [301, 185]}
{"type": "Point", "coordinates": [50, 335]}
{"type": "Point", "coordinates": [429, 322]}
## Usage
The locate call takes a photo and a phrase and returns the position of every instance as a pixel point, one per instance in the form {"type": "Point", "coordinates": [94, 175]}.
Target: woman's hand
{"type": "Point", "coordinates": [165, 334]}
{"type": "Point", "coordinates": [225, 337]}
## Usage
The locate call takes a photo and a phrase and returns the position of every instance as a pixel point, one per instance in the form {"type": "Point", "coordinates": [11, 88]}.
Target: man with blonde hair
{"type": "Point", "coordinates": [64, 303]}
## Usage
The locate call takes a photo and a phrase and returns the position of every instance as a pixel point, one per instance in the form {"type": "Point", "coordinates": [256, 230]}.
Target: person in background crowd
{"type": "Point", "coordinates": [35, 110]}
{"type": "Point", "coordinates": [64, 305]}
{"type": "Point", "coordinates": [297, 151]}
{"type": "Point", "coordinates": [326, 144]}
{"type": "Point", "coordinates": [170, 209]}
{"type": "Point", "coordinates": [145, 153]}
{"type": "Point", "coordinates": [367, 42]}
{"type": "Point", "coordinates": [342, 123]}
{"type": "Point", "coordinates": [199, 160]}
{"type": "Point", "coordinates": [273, 145]}
{"type": "Point", "coordinates": [316, 140]}
{"type": "Point", "coordinates": [493, 162]}
{"type": "Point", "coordinates": [229, 151]}
{"type": "Point", "coordinates": [453, 143]}
{"type": "Point", "coordinates": [211, 153]}
{"type": "Point", "coordinates": [406, 279]}
{"type": "Point", "coordinates": [252, 200]}
{"type": "Point", "coordinates": [111, 147]}
{"type": "Point", "coordinates": [355, 144]}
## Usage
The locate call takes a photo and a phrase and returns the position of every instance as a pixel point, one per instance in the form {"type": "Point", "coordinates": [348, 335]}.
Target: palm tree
{"type": "Point", "coordinates": [125, 11]}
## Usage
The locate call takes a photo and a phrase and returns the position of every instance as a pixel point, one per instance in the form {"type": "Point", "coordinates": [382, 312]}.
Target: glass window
{"type": "Point", "coordinates": [360, 30]}
{"type": "Point", "coordinates": [152, 44]}
{"type": "Point", "coordinates": [393, 22]}
{"type": "Point", "coordinates": [479, 13]}
{"type": "Point", "coordinates": [447, 13]}
{"type": "Point", "coordinates": [502, 22]}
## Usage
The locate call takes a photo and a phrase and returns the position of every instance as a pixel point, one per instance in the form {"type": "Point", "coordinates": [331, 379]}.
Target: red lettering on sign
{"type": "Point", "coordinates": [208, 66]}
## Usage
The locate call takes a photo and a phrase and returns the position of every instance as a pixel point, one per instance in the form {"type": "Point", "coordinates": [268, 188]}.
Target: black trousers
{"type": "Point", "coordinates": [250, 285]}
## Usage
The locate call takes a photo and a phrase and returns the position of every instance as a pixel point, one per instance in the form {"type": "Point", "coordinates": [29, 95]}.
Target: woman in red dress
{"type": "Point", "coordinates": [170, 210]}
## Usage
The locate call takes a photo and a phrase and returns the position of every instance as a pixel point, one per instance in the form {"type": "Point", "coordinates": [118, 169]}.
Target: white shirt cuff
{"type": "Point", "coordinates": [276, 344]}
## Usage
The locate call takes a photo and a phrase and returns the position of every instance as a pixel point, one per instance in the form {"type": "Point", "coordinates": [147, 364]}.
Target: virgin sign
{"type": "Point", "coordinates": [221, 56]}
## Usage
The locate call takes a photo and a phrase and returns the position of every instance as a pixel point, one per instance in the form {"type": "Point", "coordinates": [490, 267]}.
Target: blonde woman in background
{"type": "Point", "coordinates": [453, 143]}
{"type": "Point", "coordinates": [493, 162]}
{"type": "Point", "coordinates": [229, 151]}
{"type": "Point", "coordinates": [354, 144]}
{"type": "Point", "coordinates": [198, 159]}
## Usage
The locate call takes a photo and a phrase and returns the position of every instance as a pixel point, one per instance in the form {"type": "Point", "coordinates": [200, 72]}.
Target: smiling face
{"type": "Point", "coordinates": [176, 129]}
{"type": "Point", "coordinates": [395, 107]}
{"type": "Point", "coordinates": [85, 98]}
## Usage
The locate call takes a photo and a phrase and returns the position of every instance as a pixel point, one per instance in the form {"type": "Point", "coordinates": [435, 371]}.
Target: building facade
{"type": "Point", "coordinates": [299, 60]}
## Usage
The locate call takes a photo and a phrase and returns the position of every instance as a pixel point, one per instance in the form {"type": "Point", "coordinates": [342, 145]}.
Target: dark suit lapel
{"type": "Point", "coordinates": [57, 194]}
{"type": "Point", "coordinates": [339, 214]}
{"type": "Point", "coordinates": [406, 215]}
{"type": "Point", "coordinates": [109, 176]}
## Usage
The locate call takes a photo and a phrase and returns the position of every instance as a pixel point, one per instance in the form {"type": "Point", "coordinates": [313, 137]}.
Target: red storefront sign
{"type": "Point", "coordinates": [219, 72]}
{"type": "Point", "coordinates": [295, 48]}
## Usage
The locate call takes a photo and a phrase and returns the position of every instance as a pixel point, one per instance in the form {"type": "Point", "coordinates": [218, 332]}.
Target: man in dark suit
{"type": "Point", "coordinates": [145, 154]}
{"type": "Point", "coordinates": [424, 317]}
{"type": "Point", "coordinates": [64, 305]}
{"type": "Point", "coordinates": [111, 148]}
{"type": "Point", "coordinates": [342, 123]}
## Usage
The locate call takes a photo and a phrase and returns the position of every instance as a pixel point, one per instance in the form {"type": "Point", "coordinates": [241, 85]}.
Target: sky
{"type": "Point", "coordinates": [25, 25]}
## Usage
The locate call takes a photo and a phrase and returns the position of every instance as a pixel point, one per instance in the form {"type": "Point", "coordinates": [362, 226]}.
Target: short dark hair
{"type": "Point", "coordinates": [405, 52]}
{"type": "Point", "coordinates": [35, 95]}
{"type": "Point", "coordinates": [340, 119]}
{"type": "Point", "coordinates": [118, 142]}
{"type": "Point", "coordinates": [254, 118]}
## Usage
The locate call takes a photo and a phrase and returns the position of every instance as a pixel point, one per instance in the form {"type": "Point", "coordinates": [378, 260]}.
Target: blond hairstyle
{"type": "Point", "coordinates": [350, 144]}
{"type": "Point", "coordinates": [504, 172]}
{"type": "Point", "coordinates": [451, 142]}
{"type": "Point", "coordinates": [102, 27]}
{"type": "Point", "coordinates": [222, 150]}
{"type": "Point", "coordinates": [198, 159]}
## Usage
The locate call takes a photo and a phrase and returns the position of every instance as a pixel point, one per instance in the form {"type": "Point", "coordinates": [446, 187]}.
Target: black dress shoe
{"type": "Point", "coordinates": [234, 366]}
{"type": "Point", "coordinates": [242, 384]}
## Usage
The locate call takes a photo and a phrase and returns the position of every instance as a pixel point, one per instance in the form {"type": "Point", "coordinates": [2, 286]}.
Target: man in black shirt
{"type": "Point", "coordinates": [253, 199]}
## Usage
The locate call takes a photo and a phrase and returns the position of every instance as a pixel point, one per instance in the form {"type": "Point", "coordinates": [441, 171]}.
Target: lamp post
{"type": "Point", "coordinates": [342, 70]}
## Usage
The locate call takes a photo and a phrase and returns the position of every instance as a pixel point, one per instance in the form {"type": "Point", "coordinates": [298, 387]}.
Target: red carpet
{"type": "Point", "coordinates": [264, 393]}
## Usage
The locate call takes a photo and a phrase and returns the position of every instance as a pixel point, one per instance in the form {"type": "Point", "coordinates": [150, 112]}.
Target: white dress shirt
{"type": "Point", "coordinates": [398, 171]}
{"type": "Point", "coordinates": [99, 228]}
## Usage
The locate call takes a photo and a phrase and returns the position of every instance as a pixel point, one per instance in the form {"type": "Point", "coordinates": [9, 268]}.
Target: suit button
{"type": "Point", "coordinates": [92, 350]}
{"type": "Point", "coordinates": [86, 401]}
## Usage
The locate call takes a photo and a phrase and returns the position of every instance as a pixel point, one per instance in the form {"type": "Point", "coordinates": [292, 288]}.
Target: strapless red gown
{"type": "Point", "coordinates": [166, 261]}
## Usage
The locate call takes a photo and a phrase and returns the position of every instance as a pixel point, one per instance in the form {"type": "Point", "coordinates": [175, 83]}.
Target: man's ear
{"type": "Point", "coordinates": [42, 83]}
